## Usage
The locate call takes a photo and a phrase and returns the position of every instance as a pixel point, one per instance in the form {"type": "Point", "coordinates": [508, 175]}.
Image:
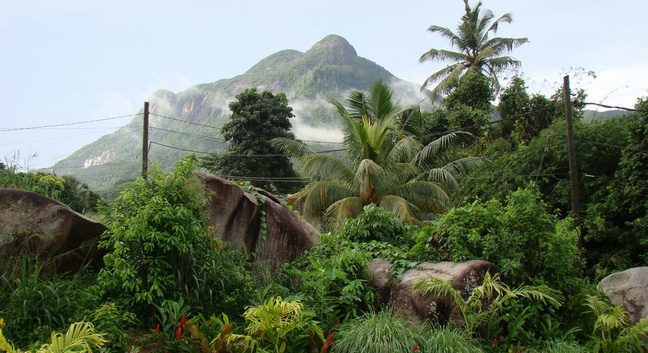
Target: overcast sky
{"type": "Point", "coordinates": [70, 61]}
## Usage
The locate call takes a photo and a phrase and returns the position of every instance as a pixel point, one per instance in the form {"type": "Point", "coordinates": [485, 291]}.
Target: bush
{"type": "Point", "coordinates": [332, 280]}
{"type": "Point", "coordinates": [160, 248]}
{"type": "Point", "coordinates": [377, 224]}
{"type": "Point", "coordinates": [528, 244]}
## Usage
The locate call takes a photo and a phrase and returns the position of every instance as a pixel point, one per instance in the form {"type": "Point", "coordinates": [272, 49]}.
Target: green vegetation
{"type": "Point", "coordinates": [67, 189]}
{"type": "Point", "coordinates": [399, 190]}
{"type": "Point", "coordinates": [257, 118]}
{"type": "Point", "coordinates": [477, 51]}
{"type": "Point", "coordinates": [385, 164]}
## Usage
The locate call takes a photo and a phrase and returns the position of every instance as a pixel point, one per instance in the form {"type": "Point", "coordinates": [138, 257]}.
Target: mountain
{"type": "Point", "coordinates": [191, 120]}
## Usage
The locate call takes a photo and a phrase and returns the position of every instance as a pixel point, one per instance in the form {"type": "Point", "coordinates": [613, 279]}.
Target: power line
{"type": "Point", "coordinates": [188, 134]}
{"type": "Point", "coordinates": [177, 148]}
{"type": "Point", "coordinates": [67, 124]}
{"type": "Point", "coordinates": [616, 107]}
{"type": "Point", "coordinates": [611, 145]}
{"type": "Point", "coordinates": [183, 121]}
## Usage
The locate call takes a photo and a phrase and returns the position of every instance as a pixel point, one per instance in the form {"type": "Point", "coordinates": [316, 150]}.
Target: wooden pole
{"type": "Point", "coordinates": [145, 141]}
{"type": "Point", "coordinates": [573, 170]}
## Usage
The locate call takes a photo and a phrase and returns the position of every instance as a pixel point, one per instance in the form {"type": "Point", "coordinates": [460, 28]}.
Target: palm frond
{"type": "Point", "coordinates": [291, 147]}
{"type": "Point", "coordinates": [401, 208]}
{"type": "Point", "coordinates": [321, 167]}
{"type": "Point", "coordinates": [435, 152]}
{"type": "Point", "coordinates": [80, 337]}
{"type": "Point", "coordinates": [316, 197]}
{"type": "Point", "coordinates": [342, 209]}
{"type": "Point", "coordinates": [426, 196]}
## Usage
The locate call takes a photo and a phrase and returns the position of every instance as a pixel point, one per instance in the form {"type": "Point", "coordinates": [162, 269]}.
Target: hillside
{"type": "Point", "coordinates": [190, 120]}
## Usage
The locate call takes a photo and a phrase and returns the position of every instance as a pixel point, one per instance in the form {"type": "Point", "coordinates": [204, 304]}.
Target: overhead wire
{"type": "Point", "coordinates": [67, 124]}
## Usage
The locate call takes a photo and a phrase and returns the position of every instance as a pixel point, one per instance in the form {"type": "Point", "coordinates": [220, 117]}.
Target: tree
{"type": "Point", "coordinates": [385, 163]}
{"type": "Point", "coordinates": [477, 51]}
{"type": "Point", "coordinates": [512, 102]}
{"type": "Point", "coordinates": [468, 103]}
{"type": "Point", "coordinates": [257, 117]}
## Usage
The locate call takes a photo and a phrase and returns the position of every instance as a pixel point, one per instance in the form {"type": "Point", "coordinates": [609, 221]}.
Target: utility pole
{"type": "Point", "coordinates": [573, 170]}
{"type": "Point", "coordinates": [145, 141]}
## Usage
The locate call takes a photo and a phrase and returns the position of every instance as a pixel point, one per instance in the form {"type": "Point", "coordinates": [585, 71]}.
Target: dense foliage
{"type": "Point", "coordinates": [67, 189]}
{"type": "Point", "coordinates": [161, 254]}
{"type": "Point", "coordinates": [168, 285]}
{"type": "Point", "coordinates": [528, 244]}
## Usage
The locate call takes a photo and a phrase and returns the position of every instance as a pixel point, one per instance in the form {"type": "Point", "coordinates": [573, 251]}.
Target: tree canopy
{"type": "Point", "coordinates": [257, 117]}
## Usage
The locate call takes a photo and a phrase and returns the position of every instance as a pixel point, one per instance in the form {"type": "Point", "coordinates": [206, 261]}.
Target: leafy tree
{"type": "Point", "coordinates": [385, 164]}
{"type": "Point", "coordinates": [476, 51]}
{"type": "Point", "coordinates": [512, 102]}
{"type": "Point", "coordinates": [257, 117]}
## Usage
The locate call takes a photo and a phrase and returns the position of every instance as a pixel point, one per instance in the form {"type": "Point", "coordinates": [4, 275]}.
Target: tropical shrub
{"type": "Point", "coordinates": [80, 337]}
{"type": "Point", "coordinates": [332, 280]}
{"type": "Point", "coordinates": [612, 331]}
{"type": "Point", "coordinates": [487, 303]}
{"type": "Point", "coordinates": [278, 326]}
{"type": "Point", "coordinates": [377, 224]}
{"type": "Point", "coordinates": [159, 248]}
{"type": "Point", "coordinates": [528, 244]}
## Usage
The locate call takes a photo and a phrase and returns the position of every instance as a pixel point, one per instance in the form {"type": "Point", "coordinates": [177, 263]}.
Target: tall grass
{"type": "Point", "coordinates": [33, 306]}
{"type": "Point", "coordinates": [385, 332]}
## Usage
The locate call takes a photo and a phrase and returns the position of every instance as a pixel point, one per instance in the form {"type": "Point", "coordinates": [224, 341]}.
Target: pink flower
{"type": "Point", "coordinates": [416, 348]}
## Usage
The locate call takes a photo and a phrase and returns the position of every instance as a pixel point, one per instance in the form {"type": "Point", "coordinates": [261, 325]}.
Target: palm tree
{"type": "Point", "coordinates": [385, 164]}
{"type": "Point", "coordinates": [477, 52]}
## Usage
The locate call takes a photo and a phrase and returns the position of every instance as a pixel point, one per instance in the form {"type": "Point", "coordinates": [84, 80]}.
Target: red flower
{"type": "Point", "coordinates": [157, 329]}
{"type": "Point", "coordinates": [179, 332]}
{"type": "Point", "coordinates": [416, 348]}
{"type": "Point", "coordinates": [494, 341]}
{"type": "Point", "coordinates": [183, 321]}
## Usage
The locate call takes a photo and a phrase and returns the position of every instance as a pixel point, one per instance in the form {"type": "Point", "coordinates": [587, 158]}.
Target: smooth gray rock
{"type": "Point", "coordinates": [630, 289]}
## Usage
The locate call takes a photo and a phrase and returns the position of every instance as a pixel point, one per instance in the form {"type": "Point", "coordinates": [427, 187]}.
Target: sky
{"type": "Point", "coordinates": [71, 61]}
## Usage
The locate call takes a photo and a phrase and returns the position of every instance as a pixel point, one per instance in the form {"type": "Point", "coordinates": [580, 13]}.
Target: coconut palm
{"type": "Point", "coordinates": [384, 164]}
{"type": "Point", "coordinates": [477, 52]}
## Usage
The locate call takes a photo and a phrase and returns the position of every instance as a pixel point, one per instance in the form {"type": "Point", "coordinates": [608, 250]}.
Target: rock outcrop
{"type": "Point", "coordinates": [630, 289]}
{"type": "Point", "coordinates": [37, 226]}
{"type": "Point", "coordinates": [236, 217]}
{"type": "Point", "coordinates": [411, 304]}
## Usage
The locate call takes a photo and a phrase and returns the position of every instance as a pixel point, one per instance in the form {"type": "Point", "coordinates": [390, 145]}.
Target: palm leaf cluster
{"type": "Point", "coordinates": [384, 164]}
{"type": "Point", "coordinates": [476, 50]}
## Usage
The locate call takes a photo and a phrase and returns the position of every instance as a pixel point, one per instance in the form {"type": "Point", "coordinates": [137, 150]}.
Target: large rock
{"type": "Point", "coordinates": [236, 217]}
{"type": "Point", "coordinates": [411, 304]}
{"type": "Point", "coordinates": [630, 289]}
{"type": "Point", "coordinates": [380, 280]}
{"type": "Point", "coordinates": [39, 227]}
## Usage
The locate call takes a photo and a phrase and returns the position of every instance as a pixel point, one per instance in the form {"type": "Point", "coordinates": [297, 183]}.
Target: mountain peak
{"type": "Point", "coordinates": [337, 50]}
